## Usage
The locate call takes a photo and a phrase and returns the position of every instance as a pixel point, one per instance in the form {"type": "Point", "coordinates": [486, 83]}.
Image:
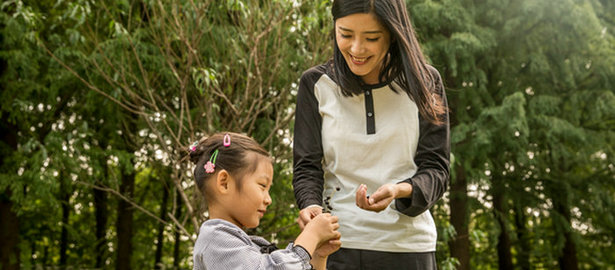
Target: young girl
{"type": "Point", "coordinates": [373, 119]}
{"type": "Point", "coordinates": [235, 173]}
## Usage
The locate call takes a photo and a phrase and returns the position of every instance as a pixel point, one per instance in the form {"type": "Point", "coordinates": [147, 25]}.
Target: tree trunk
{"type": "Point", "coordinates": [460, 245]}
{"type": "Point", "coordinates": [124, 225]}
{"type": "Point", "coordinates": [163, 216]}
{"type": "Point", "coordinates": [500, 212]}
{"type": "Point", "coordinates": [9, 221]}
{"type": "Point", "coordinates": [32, 253]}
{"type": "Point", "coordinates": [523, 254]}
{"type": "Point", "coordinates": [101, 213]}
{"type": "Point", "coordinates": [64, 200]}
{"type": "Point", "coordinates": [178, 214]}
{"type": "Point", "coordinates": [568, 260]}
{"type": "Point", "coordinates": [9, 233]}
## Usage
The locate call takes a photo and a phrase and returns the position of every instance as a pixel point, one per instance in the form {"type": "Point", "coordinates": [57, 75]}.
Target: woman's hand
{"type": "Point", "coordinates": [307, 214]}
{"type": "Point", "coordinates": [380, 199]}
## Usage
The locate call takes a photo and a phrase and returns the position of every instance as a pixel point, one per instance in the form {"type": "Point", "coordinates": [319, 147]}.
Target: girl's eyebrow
{"type": "Point", "coordinates": [366, 32]}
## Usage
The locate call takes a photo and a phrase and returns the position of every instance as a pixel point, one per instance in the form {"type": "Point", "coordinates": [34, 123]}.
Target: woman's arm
{"type": "Point", "coordinates": [307, 143]}
{"type": "Point", "coordinates": [432, 160]}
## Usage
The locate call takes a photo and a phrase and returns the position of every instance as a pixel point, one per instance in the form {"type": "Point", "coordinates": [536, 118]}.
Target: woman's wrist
{"type": "Point", "coordinates": [403, 190]}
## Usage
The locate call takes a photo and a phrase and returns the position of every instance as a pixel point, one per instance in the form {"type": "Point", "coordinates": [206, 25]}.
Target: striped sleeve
{"type": "Point", "coordinates": [226, 247]}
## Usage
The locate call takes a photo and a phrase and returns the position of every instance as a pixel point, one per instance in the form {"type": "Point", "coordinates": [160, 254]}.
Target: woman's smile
{"type": "Point", "coordinates": [364, 43]}
{"type": "Point", "coordinates": [358, 60]}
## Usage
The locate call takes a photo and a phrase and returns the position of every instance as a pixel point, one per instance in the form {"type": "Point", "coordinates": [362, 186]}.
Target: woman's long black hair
{"type": "Point", "coordinates": [405, 63]}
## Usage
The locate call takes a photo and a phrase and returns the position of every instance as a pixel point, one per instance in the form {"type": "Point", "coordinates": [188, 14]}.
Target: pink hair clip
{"type": "Point", "coordinates": [193, 146]}
{"type": "Point", "coordinates": [210, 166]}
{"type": "Point", "coordinates": [227, 140]}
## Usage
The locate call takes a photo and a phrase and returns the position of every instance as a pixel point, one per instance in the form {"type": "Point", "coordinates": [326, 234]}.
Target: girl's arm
{"type": "Point", "coordinates": [227, 247]}
{"type": "Point", "coordinates": [319, 258]}
{"type": "Point", "coordinates": [320, 238]}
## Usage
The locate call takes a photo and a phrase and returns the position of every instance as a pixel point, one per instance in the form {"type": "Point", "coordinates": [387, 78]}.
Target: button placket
{"type": "Point", "coordinates": [369, 109]}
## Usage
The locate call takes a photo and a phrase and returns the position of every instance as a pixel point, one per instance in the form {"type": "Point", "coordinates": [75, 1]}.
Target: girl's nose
{"type": "Point", "coordinates": [267, 199]}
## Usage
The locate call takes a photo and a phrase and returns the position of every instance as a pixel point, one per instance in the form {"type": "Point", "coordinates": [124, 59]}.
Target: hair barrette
{"type": "Point", "coordinates": [193, 146]}
{"type": "Point", "coordinates": [227, 140]}
{"type": "Point", "coordinates": [210, 166]}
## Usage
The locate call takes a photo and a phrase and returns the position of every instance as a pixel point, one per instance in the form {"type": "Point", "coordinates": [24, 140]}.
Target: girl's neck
{"type": "Point", "coordinates": [216, 212]}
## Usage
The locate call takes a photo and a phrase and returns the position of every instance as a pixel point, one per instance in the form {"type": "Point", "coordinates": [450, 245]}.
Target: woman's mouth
{"type": "Point", "coordinates": [358, 60]}
{"type": "Point", "coordinates": [262, 212]}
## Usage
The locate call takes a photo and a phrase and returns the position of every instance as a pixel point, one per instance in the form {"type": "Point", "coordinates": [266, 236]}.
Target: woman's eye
{"type": "Point", "coordinates": [344, 36]}
{"type": "Point", "coordinates": [373, 39]}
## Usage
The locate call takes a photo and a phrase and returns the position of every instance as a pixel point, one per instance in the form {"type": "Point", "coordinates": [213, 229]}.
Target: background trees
{"type": "Point", "coordinates": [101, 99]}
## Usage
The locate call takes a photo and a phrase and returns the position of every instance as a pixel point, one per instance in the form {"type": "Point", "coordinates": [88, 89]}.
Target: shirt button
{"type": "Point", "coordinates": [367, 93]}
{"type": "Point", "coordinates": [369, 114]}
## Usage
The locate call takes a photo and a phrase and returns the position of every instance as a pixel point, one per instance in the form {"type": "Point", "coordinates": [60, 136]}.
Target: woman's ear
{"type": "Point", "coordinates": [223, 182]}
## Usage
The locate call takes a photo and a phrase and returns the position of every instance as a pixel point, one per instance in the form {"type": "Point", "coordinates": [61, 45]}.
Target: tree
{"type": "Point", "coordinates": [494, 55]}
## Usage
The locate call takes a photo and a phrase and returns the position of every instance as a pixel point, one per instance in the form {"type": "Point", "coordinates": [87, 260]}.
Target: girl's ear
{"type": "Point", "coordinates": [223, 182]}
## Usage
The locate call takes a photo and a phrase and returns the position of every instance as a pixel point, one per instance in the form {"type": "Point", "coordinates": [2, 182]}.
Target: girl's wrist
{"type": "Point", "coordinates": [318, 256]}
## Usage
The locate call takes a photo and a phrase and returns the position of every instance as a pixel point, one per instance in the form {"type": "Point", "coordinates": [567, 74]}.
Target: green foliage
{"type": "Point", "coordinates": [97, 90]}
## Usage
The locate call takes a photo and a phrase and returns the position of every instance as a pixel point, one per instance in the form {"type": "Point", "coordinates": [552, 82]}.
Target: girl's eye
{"type": "Point", "coordinates": [263, 185]}
{"type": "Point", "coordinates": [344, 36]}
{"type": "Point", "coordinates": [373, 39]}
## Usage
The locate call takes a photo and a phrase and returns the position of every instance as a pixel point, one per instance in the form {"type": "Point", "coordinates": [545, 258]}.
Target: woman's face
{"type": "Point", "coordinates": [364, 43]}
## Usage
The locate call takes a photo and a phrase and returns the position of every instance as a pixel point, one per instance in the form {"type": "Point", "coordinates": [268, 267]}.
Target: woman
{"type": "Point", "coordinates": [373, 119]}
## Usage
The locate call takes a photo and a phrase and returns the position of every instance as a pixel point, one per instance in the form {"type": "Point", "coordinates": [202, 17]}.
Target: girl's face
{"type": "Point", "coordinates": [249, 204]}
{"type": "Point", "coordinates": [364, 43]}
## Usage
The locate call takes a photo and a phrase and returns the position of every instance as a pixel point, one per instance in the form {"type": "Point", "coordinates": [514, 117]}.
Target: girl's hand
{"type": "Point", "coordinates": [307, 214]}
{"type": "Point", "coordinates": [327, 248]}
{"type": "Point", "coordinates": [381, 199]}
{"type": "Point", "coordinates": [319, 230]}
{"type": "Point", "coordinates": [319, 258]}
{"type": "Point", "coordinates": [323, 227]}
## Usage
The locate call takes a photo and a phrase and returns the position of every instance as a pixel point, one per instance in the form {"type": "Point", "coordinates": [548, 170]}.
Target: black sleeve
{"type": "Point", "coordinates": [307, 143]}
{"type": "Point", "coordinates": [432, 161]}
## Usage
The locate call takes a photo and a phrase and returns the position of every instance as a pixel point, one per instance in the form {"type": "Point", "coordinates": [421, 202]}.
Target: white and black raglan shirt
{"type": "Point", "coordinates": [374, 138]}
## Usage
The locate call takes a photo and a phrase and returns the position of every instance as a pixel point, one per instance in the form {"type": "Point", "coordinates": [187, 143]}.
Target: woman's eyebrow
{"type": "Point", "coordinates": [366, 32]}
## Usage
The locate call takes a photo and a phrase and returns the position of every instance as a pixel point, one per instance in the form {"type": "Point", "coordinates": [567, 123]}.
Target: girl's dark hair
{"type": "Point", "coordinates": [234, 158]}
{"type": "Point", "coordinates": [405, 62]}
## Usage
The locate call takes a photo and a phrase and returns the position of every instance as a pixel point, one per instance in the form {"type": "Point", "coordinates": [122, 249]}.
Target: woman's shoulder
{"type": "Point", "coordinates": [315, 72]}
{"type": "Point", "coordinates": [436, 78]}
{"type": "Point", "coordinates": [433, 72]}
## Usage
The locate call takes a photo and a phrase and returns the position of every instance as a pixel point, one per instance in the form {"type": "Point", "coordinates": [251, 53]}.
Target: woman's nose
{"type": "Point", "coordinates": [357, 46]}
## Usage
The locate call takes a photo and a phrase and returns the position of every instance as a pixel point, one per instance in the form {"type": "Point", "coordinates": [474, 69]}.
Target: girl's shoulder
{"type": "Point", "coordinates": [214, 230]}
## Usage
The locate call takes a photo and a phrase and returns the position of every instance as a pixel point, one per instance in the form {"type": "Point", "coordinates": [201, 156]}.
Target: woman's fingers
{"type": "Point", "coordinates": [378, 200]}
{"type": "Point", "coordinates": [307, 214]}
{"type": "Point", "coordinates": [361, 197]}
